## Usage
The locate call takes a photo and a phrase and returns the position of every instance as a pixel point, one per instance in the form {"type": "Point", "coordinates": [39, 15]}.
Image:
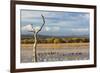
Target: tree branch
{"type": "Point", "coordinates": [42, 24]}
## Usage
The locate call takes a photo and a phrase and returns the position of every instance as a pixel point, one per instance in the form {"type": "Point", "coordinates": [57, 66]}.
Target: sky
{"type": "Point", "coordinates": [57, 23]}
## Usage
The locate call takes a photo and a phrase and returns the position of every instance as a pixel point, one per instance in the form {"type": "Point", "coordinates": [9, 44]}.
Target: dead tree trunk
{"type": "Point", "coordinates": [34, 59]}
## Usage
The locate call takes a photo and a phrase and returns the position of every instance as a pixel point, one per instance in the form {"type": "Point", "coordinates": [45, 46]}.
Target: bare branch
{"type": "Point", "coordinates": [42, 24]}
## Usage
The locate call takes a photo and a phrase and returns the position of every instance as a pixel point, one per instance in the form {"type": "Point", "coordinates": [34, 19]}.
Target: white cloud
{"type": "Point", "coordinates": [56, 28]}
{"type": "Point", "coordinates": [80, 29]}
{"type": "Point", "coordinates": [83, 17]}
{"type": "Point", "coordinates": [47, 28]}
{"type": "Point", "coordinates": [27, 28]}
{"type": "Point", "coordinates": [36, 28]}
{"type": "Point", "coordinates": [73, 23]}
{"type": "Point", "coordinates": [52, 29]}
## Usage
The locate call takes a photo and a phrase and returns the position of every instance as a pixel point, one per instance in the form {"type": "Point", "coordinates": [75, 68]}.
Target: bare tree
{"type": "Point", "coordinates": [35, 32]}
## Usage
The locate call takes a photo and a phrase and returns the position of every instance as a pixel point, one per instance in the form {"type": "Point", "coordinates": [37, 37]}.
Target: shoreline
{"type": "Point", "coordinates": [56, 46]}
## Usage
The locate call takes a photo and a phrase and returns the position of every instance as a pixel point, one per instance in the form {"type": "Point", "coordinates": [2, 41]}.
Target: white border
{"type": "Point", "coordinates": [52, 64]}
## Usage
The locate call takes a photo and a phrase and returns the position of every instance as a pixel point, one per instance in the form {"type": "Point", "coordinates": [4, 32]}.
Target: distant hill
{"type": "Point", "coordinates": [48, 36]}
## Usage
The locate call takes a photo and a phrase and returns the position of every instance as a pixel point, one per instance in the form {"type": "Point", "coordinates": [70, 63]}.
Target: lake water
{"type": "Point", "coordinates": [47, 55]}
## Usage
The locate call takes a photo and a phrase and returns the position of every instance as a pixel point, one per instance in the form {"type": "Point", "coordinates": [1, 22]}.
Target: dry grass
{"type": "Point", "coordinates": [61, 45]}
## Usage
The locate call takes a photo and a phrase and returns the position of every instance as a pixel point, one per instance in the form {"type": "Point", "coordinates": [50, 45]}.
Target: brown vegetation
{"type": "Point", "coordinates": [63, 45]}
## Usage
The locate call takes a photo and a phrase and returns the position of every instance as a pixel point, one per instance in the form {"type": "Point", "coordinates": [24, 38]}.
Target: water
{"type": "Point", "coordinates": [47, 55]}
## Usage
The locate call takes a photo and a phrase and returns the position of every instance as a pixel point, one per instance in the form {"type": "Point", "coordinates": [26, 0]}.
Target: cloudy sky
{"type": "Point", "coordinates": [57, 23]}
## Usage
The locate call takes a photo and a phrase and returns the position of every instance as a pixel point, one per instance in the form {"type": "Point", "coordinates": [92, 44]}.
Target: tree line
{"type": "Point", "coordinates": [55, 40]}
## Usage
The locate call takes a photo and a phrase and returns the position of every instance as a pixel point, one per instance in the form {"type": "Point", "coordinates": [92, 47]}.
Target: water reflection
{"type": "Point", "coordinates": [45, 55]}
